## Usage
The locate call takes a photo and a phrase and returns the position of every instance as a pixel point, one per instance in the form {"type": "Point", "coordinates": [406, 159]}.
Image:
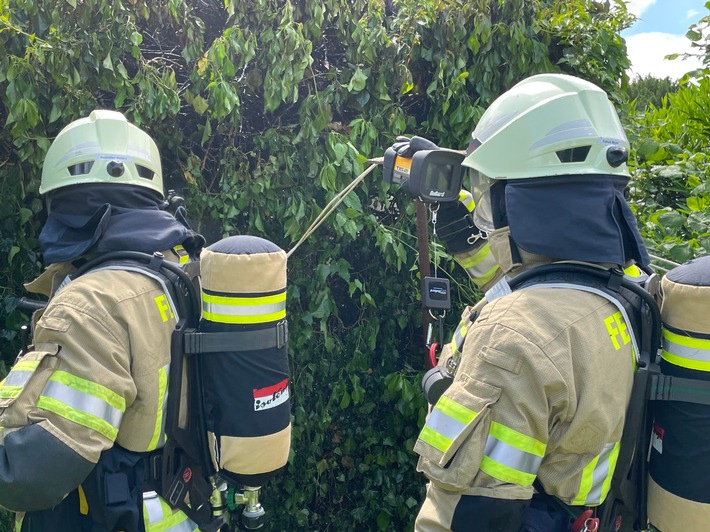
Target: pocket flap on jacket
{"type": "Point", "coordinates": [459, 410]}
{"type": "Point", "coordinates": [21, 374]}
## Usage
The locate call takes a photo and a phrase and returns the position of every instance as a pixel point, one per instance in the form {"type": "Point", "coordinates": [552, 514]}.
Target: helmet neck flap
{"type": "Point", "coordinates": [104, 218]}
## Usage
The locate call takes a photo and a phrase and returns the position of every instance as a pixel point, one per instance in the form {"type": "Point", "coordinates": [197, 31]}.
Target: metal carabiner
{"type": "Point", "coordinates": [591, 525]}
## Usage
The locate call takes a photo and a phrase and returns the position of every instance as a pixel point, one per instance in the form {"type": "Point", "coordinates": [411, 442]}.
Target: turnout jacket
{"type": "Point", "coordinates": [541, 391]}
{"type": "Point", "coordinates": [96, 375]}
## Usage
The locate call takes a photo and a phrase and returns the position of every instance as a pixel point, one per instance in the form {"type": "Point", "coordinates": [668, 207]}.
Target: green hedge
{"type": "Point", "coordinates": [263, 111]}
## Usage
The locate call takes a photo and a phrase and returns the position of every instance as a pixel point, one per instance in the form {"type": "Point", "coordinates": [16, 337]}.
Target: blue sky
{"type": "Point", "coordinates": [659, 31]}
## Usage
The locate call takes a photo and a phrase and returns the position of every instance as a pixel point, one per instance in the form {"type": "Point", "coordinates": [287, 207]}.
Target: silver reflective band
{"type": "Point", "coordinates": [152, 506]}
{"type": "Point", "coordinates": [445, 425]}
{"type": "Point", "coordinates": [601, 472]}
{"type": "Point", "coordinates": [512, 457]}
{"type": "Point", "coordinates": [693, 353]}
{"type": "Point", "coordinates": [243, 310]}
{"type": "Point", "coordinates": [83, 402]}
{"type": "Point", "coordinates": [575, 129]}
{"type": "Point", "coordinates": [17, 378]}
{"type": "Point", "coordinates": [158, 521]}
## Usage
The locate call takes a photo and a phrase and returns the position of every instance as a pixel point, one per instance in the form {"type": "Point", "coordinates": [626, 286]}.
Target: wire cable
{"type": "Point", "coordinates": [337, 200]}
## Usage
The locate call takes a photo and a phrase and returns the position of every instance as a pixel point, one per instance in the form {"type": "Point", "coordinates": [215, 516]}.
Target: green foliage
{"type": "Point", "coordinates": [7, 522]}
{"type": "Point", "coordinates": [650, 91]}
{"type": "Point", "coordinates": [589, 43]}
{"type": "Point", "coordinates": [670, 190]}
{"type": "Point", "coordinates": [670, 187]}
{"type": "Point", "coordinates": [263, 111]}
{"type": "Point", "coordinates": [682, 117]}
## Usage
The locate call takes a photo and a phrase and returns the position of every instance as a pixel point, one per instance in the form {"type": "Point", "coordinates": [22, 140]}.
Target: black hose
{"type": "Point", "coordinates": [30, 305]}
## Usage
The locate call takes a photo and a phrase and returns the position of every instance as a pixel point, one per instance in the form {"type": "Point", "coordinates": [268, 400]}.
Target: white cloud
{"type": "Point", "coordinates": [637, 7]}
{"type": "Point", "coordinates": [692, 13]}
{"type": "Point", "coordinates": [647, 51]}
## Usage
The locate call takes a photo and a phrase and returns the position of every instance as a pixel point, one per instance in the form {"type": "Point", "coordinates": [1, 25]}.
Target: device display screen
{"type": "Point", "coordinates": [436, 175]}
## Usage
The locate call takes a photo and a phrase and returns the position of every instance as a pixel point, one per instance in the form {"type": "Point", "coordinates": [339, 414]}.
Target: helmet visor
{"type": "Point", "coordinates": [480, 185]}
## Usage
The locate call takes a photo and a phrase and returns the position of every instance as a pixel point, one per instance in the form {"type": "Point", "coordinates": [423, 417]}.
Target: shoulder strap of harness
{"type": "Point", "coordinates": [636, 304]}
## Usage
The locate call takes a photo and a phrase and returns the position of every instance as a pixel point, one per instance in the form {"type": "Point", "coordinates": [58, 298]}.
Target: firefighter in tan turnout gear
{"type": "Point", "coordinates": [543, 374]}
{"type": "Point", "coordinates": [88, 397]}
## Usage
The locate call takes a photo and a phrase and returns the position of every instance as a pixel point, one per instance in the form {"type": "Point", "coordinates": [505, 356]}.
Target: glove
{"type": "Point", "coordinates": [455, 226]}
{"type": "Point", "coordinates": [406, 146]}
{"type": "Point", "coordinates": [463, 240]}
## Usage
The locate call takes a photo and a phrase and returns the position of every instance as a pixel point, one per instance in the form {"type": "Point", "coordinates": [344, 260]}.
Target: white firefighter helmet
{"type": "Point", "coordinates": [102, 148]}
{"type": "Point", "coordinates": [546, 125]}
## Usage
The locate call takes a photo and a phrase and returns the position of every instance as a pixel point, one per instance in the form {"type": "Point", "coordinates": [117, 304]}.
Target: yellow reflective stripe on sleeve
{"type": "Point", "coordinates": [91, 388]}
{"type": "Point", "coordinates": [686, 351]}
{"type": "Point", "coordinates": [517, 439]}
{"type": "Point", "coordinates": [436, 440]}
{"type": "Point", "coordinates": [158, 437]}
{"type": "Point", "coordinates": [477, 258]}
{"type": "Point", "coordinates": [505, 473]}
{"type": "Point", "coordinates": [447, 421]}
{"type": "Point", "coordinates": [511, 456]}
{"type": "Point", "coordinates": [483, 279]}
{"type": "Point", "coordinates": [10, 392]}
{"type": "Point", "coordinates": [596, 477]}
{"type": "Point", "coordinates": [481, 266]}
{"type": "Point", "coordinates": [454, 410]}
{"type": "Point", "coordinates": [243, 309]}
{"type": "Point", "coordinates": [86, 403]}
{"type": "Point", "coordinates": [25, 365]}
{"type": "Point", "coordinates": [466, 198]}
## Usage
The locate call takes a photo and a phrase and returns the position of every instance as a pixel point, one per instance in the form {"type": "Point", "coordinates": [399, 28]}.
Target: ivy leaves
{"type": "Point", "coordinates": [264, 111]}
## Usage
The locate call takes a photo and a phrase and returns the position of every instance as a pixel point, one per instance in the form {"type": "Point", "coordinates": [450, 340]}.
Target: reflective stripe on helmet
{"type": "Point", "coordinates": [83, 402]}
{"type": "Point", "coordinates": [596, 477]}
{"type": "Point", "coordinates": [686, 351]}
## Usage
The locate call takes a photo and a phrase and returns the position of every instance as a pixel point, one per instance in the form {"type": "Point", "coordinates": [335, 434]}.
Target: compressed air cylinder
{"type": "Point", "coordinates": [679, 487]}
{"type": "Point", "coordinates": [246, 386]}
